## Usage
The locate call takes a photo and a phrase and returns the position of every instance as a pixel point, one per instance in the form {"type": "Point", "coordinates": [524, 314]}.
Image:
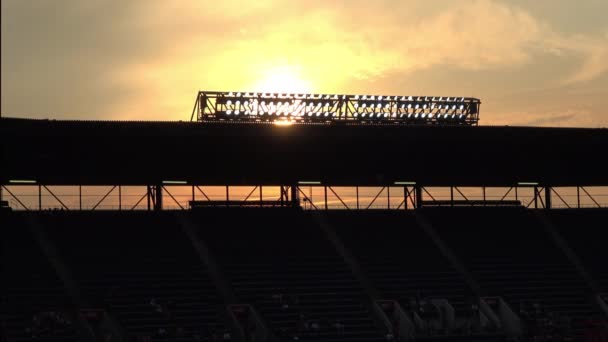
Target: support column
{"type": "Point", "coordinates": [148, 195]}
{"type": "Point", "coordinates": [39, 197]}
{"type": "Point", "coordinates": [158, 196]}
{"type": "Point", "coordinates": [295, 198]}
{"type": "Point", "coordinates": [418, 190]}
{"type": "Point", "coordinates": [548, 197]}
{"type": "Point", "coordinates": [451, 196]}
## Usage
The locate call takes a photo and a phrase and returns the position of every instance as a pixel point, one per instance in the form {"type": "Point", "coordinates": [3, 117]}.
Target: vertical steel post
{"type": "Point", "coordinates": [119, 198]}
{"type": "Point", "coordinates": [80, 196]}
{"type": "Point", "coordinates": [39, 197]}
{"type": "Point", "coordinates": [578, 196]}
{"type": "Point", "coordinates": [325, 187]}
{"type": "Point", "coordinates": [357, 191]}
{"type": "Point", "coordinates": [388, 196]}
{"type": "Point", "coordinates": [294, 196]}
{"type": "Point", "coordinates": [418, 190]}
{"type": "Point", "coordinates": [158, 203]}
{"type": "Point", "coordinates": [451, 196]}
{"type": "Point", "coordinates": [548, 203]}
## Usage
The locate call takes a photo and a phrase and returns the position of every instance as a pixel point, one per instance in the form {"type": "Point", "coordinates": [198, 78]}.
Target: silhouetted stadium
{"type": "Point", "coordinates": [310, 218]}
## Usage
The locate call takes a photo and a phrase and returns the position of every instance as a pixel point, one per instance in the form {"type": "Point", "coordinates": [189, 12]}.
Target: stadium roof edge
{"type": "Point", "coordinates": [147, 152]}
{"type": "Point", "coordinates": [75, 121]}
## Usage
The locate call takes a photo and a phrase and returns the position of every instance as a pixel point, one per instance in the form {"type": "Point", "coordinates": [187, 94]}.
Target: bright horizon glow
{"type": "Point", "coordinates": [284, 79]}
{"type": "Point", "coordinates": [283, 123]}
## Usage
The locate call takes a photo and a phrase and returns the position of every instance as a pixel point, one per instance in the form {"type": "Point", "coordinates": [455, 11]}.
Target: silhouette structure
{"type": "Point", "coordinates": [292, 269]}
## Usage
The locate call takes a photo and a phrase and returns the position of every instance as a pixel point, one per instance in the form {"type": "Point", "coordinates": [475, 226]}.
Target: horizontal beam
{"type": "Point", "coordinates": [111, 181]}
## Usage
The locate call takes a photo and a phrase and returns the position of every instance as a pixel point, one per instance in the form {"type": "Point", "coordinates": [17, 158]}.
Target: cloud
{"type": "Point", "coordinates": [474, 35]}
{"type": "Point", "coordinates": [593, 52]}
{"type": "Point", "coordinates": [325, 43]}
{"type": "Point", "coordinates": [551, 120]}
{"type": "Point", "coordinates": [147, 59]}
{"type": "Point", "coordinates": [566, 117]}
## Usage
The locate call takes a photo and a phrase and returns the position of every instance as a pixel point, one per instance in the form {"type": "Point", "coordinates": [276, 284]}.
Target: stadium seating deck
{"type": "Point", "coordinates": [586, 231]}
{"type": "Point", "coordinates": [279, 261]}
{"type": "Point", "coordinates": [31, 291]}
{"type": "Point", "coordinates": [399, 258]}
{"type": "Point", "coordinates": [511, 256]}
{"type": "Point", "coordinates": [143, 269]}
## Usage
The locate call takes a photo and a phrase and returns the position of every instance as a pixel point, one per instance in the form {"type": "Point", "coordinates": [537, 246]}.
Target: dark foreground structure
{"type": "Point", "coordinates": [295, 268]}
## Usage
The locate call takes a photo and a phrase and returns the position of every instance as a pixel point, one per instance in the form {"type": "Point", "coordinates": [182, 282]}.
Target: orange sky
{"type": "Point", "coordinates": [532, 63]}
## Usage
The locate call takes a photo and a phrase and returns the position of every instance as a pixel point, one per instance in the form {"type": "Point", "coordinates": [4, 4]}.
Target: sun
{"type": "Point", "coordinates": [285, 79]}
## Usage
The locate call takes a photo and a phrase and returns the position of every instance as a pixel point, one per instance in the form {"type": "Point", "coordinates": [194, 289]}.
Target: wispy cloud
{"type": "Point", "coordinates": [593, 52]}
{"type": "Point", "coordinates": [551, 120]}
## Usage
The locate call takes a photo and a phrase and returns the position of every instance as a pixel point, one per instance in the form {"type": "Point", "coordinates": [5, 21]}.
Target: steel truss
{"type": "Point", "coordinates": [412, 196]}
{"type": "Point", "coordinates": [334, 108]}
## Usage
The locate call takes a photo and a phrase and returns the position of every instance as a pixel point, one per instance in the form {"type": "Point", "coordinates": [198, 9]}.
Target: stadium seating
{"type": "Point", "coordinates": [141, 267]}
{"type": "Point", "coordinates": [511, 256]}
{"type": "Point", "coordinates": [280, 261]}
{"type": "Point", "coordinates": [33, 298]}
{"type": "Point", "coordinates": [400, 259]}
{"type": "Point", "coordinates": [586, 231]}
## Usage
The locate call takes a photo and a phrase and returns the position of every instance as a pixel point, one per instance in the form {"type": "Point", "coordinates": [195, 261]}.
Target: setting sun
{"type": "Point", "coordinates": [286, 79]}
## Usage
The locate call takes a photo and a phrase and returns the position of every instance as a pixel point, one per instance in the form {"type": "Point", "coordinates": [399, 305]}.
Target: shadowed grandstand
{"type": "Point", "coordinates": [470, 247]}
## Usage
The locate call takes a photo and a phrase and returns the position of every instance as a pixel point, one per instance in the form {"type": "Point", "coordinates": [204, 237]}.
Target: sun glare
{"type": "Point", "coordinates": [283, 123]}
{"type": "Point", "coordinates": [283, 80]}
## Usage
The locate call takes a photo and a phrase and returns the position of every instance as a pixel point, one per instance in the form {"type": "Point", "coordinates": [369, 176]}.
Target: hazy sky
{"type": "Point", "coordinates": [532, 62]}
